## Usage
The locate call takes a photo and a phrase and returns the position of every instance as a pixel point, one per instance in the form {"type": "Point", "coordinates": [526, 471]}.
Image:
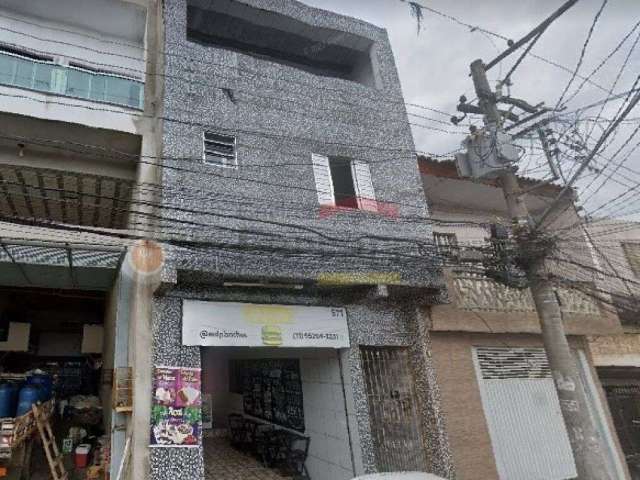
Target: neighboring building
{"type": "Point", "coordinates": [499, 400]}
{"type": "Point", "coordinates": [291, 189]}
{"type": "Point", "coordinates": [76, 116]}
{"type": "Point", "coordinates": [616, 248]}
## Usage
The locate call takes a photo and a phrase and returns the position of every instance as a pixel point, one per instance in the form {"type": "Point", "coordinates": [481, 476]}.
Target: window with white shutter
{"type": "Point", "coordinates": [343, 182]}
{"type": "Point", "coordinates": [363, 185]}
{"type": "Point", "coordinates": [324, 185]}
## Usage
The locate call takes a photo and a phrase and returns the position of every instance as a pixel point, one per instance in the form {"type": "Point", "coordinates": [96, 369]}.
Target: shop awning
{"type": "Point", "coordinates": [59, 265]}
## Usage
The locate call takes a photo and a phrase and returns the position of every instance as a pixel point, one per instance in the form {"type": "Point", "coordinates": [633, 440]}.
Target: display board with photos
{"type": "Point", "coordinates": [272, 390]}
{"type": "Point", "coordinates": [176, 412]}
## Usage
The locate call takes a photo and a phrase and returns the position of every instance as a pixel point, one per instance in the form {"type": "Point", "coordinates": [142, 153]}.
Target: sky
{"type": "Point", "coordinates": [434, 67]}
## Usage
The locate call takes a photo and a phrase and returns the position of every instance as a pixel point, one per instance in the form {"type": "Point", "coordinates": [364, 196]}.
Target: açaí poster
{"type": "Point", "coordinates": [176, 412]}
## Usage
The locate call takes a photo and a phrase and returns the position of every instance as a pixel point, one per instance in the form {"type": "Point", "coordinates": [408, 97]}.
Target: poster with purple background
{"type": "Point", "coordinates": [176, 412]}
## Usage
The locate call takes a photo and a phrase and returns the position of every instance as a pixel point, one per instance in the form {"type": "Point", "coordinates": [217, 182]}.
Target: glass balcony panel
{"type": "Point", "coordinates": [123, 92]}
{"type": "Point", "coordinates": [7, 69]}
{"type": "Point", "coordinates": [16, 71]}
{"type": "Point", "coordinates": [24, 73]}
{"type": "Point", "coordinates": [78, 83]}
{"type": "Point", "coordinates": [43, 77]}
{"type": "Point", "coordinates": [135, 98]}
{"type": "Point", "coordinates": [98, 86]}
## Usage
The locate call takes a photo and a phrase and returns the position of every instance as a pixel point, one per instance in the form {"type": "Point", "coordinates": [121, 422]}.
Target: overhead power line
{"type": "Point", "coordinates": [594, 151]}
{"type": "Point", "coordinates": [167, 163]}
{"type": "Point", "coordinates": [265, 134]}
{"type": "Point", "coordinates": [477, 28]}
{"type": "Point", "coordinates": [531, 37]}
{"type": "Point", "coordinates": [582, 53]}
{"type": "Point", "coordinates": [606, 59]}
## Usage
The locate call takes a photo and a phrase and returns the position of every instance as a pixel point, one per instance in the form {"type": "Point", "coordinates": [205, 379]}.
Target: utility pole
{"type": "Point", "coordinates": [583, 435]}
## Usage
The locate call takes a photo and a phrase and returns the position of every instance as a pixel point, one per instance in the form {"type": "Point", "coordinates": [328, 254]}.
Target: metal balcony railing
{"type": "Point", "coordinates": [71, 81]}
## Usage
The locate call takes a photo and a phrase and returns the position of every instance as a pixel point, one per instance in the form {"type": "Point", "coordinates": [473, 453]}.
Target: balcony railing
{"type": "Point", "coordinates": [45, 76]}
{"type": "Point", "coordinates": [478, 293]}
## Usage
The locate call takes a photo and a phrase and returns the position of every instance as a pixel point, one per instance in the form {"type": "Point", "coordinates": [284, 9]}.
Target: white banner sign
{"type": "Point", "coordinates": [252, 325]}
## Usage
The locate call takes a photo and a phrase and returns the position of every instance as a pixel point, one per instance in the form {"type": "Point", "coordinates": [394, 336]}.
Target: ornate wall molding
{"type": "Point", "coordinates": [482, 294]}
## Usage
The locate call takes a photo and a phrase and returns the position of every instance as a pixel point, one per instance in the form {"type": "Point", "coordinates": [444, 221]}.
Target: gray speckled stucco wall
{"type": "Point", "coordinates": [280, 115]}
{"type": "Point", "coordinates": [379, 323]}
{"type": "Point", "coordinates": [173, 463]}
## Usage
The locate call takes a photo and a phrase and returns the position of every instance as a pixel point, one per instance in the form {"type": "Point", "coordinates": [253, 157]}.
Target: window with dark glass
{"type": "Point", "coordinates": [236, 26]}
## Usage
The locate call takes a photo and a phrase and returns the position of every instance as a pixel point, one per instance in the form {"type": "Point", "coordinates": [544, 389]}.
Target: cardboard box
{"type": "Point", "coordinates": [92, 338]}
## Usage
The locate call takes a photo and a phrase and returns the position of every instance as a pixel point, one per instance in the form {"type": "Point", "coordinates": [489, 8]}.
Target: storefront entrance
{"type": "Point", "coordinates": [52, 354]}
{"type": "Point", "coordinates": [274, 383]}
{"type": "Point", "coordinates": [288, 391]}
{"type": "Point", "coordinates": [275, 413]}
{"type": "Point", "coordinates": [222, 461]}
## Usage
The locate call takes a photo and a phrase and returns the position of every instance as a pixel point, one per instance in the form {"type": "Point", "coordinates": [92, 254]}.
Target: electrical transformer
{"type": "Point", "coordinates": [488, 154]}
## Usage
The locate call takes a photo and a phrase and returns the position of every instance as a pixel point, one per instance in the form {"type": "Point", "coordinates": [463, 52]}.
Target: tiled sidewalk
{"type": "Point", "coordinates": [223, 462]}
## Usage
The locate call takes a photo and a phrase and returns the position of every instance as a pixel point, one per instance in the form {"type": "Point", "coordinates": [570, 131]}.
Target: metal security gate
{"type": "Point", "coordinates": [392, 406]}
{"type": "Point", "coordinates": [624, 404]}
{"type": "Point", "coordinates": [522, 410]}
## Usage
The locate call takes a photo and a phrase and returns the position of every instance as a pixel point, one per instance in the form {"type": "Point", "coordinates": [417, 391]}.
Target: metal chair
{"type": "Point", "coordinates": [236, 430]}
{"type": "Point", "coordinates": [296, 458]}
{"type": "Point", "coordinates": [288, 453]}
{"type": "Point", "coordinates": [263, 438]}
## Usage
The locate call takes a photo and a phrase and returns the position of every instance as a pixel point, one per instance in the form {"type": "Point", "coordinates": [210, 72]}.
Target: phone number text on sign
{"type": "Point", "coordinates": [315, 336]}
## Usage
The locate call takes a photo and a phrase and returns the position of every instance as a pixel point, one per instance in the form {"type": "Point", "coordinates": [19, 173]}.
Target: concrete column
{"type": "Point", "coordinates": [140, 347]}
{"type": "Point", "coordinates": [145, 259]}
{"type": "Point", "coordinates": [435, 438]}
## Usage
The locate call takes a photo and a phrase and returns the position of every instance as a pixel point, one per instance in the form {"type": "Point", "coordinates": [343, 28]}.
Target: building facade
{"type": "Point", "coordinates": [486, 343]}
{"type": "Point", "coordinates": [291, 193]}
{"type": "Point", "coordinates": [78, 86]}
{"type": "Point", "coordinates": [615, 246]}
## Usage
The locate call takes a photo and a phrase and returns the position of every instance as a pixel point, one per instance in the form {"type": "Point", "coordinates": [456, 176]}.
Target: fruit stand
{"type": "Point", "coordinates": [16, 437]}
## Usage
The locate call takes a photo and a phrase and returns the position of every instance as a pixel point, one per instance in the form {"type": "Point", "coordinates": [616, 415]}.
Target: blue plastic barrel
{"type": "Point", "coordinates": [16, 389]}
{"type": "Point", "coordinates": [7, 400]}
{"type": "Point", "coordinates": [45, 382]}
{"type": "Point", "coordinates": [29, 394]}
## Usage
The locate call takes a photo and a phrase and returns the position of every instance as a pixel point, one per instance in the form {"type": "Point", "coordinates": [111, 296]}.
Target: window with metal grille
{"type": "Point", "coordinates": [219, 150]}
{"type": "Point", "coordinates": [393, 409]}
{"type": "Point", "coordinates": [624, 404]}
{"type": "Point", "coordinates": [446, 243]}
